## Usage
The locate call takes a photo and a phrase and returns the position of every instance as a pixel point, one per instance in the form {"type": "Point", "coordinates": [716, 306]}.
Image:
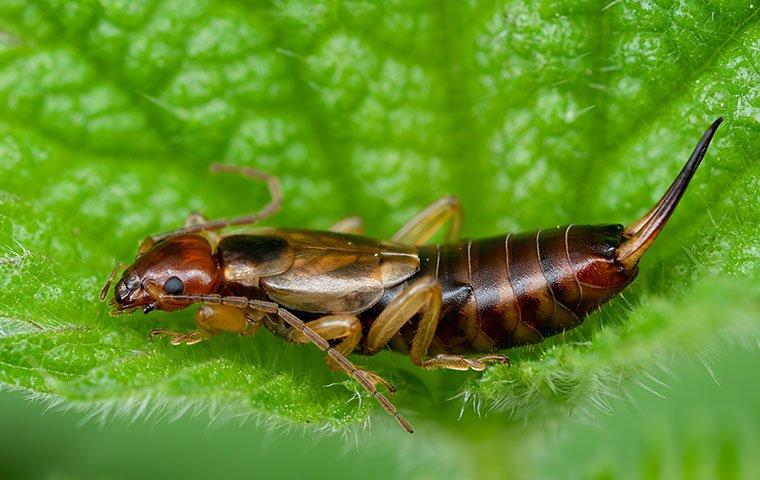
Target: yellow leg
{"type": "Point", "coordinates": [354, 225]}
{"type": "Point", "coordinates": [420, 228]}
{"type": "Point", "coordinates": [423, 295]}
{"type": "Point", "coordinates": [194, 218]}
{"type": "Point", "coordinates": [191, 221]}
{"type": "Point", "coordinates": [267, 309]}
{"type": "Point", "coordinates": [332, 327]}
{"type": "Point", "coordinates": [211, 320]}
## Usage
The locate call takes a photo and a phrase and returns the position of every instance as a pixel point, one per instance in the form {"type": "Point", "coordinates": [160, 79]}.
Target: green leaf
{"type": "Point", "coordinates": [533, 113]}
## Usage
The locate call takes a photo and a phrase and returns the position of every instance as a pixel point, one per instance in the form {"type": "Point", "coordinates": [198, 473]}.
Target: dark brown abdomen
{"type": "Point", "coordinates": [510, 290]}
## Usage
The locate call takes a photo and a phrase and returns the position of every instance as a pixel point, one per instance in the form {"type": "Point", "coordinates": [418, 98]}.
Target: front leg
{"type": "Point", "coordinates": [211, 320]}
{"type": "Point", "coordinates": [192, 219]}
{"type": "Point", "coordinates": [365, 379]}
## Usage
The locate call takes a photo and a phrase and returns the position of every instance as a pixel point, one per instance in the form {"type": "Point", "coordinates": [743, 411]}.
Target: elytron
{"type": "Point", "coordinates": [348, 293]}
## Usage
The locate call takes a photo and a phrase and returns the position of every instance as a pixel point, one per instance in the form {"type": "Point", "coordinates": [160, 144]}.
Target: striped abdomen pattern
{"type": "Point", "coordinates": [512, 290]}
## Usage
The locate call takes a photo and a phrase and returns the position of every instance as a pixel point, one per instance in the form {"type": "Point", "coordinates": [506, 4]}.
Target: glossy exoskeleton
{"type": "Point", "coordinates": [357, 294]}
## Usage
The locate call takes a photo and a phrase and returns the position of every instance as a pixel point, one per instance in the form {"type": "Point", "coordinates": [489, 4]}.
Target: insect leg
{"type": "Point", "coordinates": [197, 218]}
{"type": "Point", "coordinates": [345, 364]}
{"type": "Point", "coordinates": [361, 376]}
{"type": "Point", "coordinates": [229, 319]}
{"type": "Point", "coordinates": [331, 327]}
{"type": "Point", "coordinates": [353, 225]}
{"type": "Point", "coordinates": [425, 224]}
{"type": "Point", "coordinates": [194, 218]}
{"type": "Point", "coordinates": [181, 338]}
{"type": "Point", "coordinates": [211, 320]}
{"type": "Point", "coordinates": [268, 210]}
{"type": "Point", "coordinates": [423, 295]}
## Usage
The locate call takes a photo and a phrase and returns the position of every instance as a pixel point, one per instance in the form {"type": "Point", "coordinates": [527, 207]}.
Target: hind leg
{"type": "Point", "coordinates": [424, 295]}
{"type": "Point", "coordinates": [425, 224]}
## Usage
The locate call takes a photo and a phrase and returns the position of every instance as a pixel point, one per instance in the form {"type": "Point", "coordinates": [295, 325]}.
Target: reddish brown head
{"type": "Point", "coordinates": [180, 265]}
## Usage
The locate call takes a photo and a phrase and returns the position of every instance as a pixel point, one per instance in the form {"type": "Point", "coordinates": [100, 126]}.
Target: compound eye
{"type": "Point", "coordinates": [173, 286]}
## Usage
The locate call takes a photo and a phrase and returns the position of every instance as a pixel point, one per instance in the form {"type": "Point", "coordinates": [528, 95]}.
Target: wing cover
{"type": "Point", "coordinates": [338, 273]}
{"type": "Point", "coordinates": [245, 258]}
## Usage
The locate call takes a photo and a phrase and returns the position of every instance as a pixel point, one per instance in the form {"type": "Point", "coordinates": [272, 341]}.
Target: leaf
{"type": "Point", "coordinates": [533, 113]}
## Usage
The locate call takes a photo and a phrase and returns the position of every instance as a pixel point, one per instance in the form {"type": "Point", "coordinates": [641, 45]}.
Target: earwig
{"type": "Point", "coordinates": [347, 293]}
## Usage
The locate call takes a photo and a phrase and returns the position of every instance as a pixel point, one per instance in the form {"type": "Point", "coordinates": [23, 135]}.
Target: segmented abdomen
{"type": "Point", "coordinates": [510, 290]}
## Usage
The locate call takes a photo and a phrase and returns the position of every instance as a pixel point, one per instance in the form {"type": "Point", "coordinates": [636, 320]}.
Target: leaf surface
{"type": "Point", "coordinates": [533, 113]}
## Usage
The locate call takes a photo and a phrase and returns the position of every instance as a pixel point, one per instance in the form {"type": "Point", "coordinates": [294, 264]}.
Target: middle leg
{"type": "Point", "coordinates": [333, 327]}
